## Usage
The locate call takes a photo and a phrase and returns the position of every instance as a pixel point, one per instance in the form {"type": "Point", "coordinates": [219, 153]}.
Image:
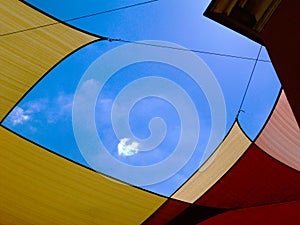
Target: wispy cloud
{"type": "Point", "coordinates": [127, 147]}
{"type": "Point", "coordinates": [42, 110]}
{"type": "Point", "coordinates": [90, 87]}
{"type": "Point", "coordinates": [19, 116]}
{"type": "Point", "coordinates": [35, 106]}
{"type": "Point", "coordinates": [59, 108]}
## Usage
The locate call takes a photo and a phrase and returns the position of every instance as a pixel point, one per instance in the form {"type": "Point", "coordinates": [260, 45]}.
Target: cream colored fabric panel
{"type": "Point", "coordinates": [281, 136]}
{"type": "Point", "coordinates": [26, 56]}
{"type": "Point", "coordinates": [226, 155]}
{"type": "Point", "coordinates": [38, 187]}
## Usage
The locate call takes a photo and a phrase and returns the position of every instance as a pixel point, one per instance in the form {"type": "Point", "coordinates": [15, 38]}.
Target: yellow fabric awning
{"type": "Point", "coordinates": [36, 186]}
{"type": "Point", "coordinates": [27, 55]}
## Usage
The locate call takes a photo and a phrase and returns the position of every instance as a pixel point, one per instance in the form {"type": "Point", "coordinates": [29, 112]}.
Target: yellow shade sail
{"type": "Point", "coordinates": [36, 186]}
{"type": "Point", "coordinates": [39, 187]}
{"type": "Point", "coordinates": [27, 55]}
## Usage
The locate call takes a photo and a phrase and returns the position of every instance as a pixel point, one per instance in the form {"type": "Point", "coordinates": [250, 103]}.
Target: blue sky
{"type": "Point", "coordinates": [45, 115]}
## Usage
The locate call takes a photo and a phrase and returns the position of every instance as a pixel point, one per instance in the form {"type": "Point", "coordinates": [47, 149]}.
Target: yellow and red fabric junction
{"type": "Point", "coordinates": [243, 182]}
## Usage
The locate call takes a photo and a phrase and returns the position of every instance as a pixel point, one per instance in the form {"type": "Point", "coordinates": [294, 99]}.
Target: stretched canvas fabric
{"type": "Point", "coordinates": [243, 182]}
{"type": "Point", "coordinates": [37, 186]}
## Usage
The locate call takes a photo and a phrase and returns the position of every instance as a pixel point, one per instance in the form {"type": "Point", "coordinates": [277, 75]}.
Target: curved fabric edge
{"type": "Point", "coordinates": [275, 214]}
{"type": "Point", "coordinates": [61, 21]}
{"type": "Point", "coordinates": [280, 137]}
{"type": "Point", "coordinates": [166, 212]}
{"type": "Point", "coordinates": [25, 57]}
{"type": "Point", "coordinates": [225, 156]}
{"type": "Point", "coordinates": [256, 179]}
{"type": "Point", "coordinates": [38, 187]}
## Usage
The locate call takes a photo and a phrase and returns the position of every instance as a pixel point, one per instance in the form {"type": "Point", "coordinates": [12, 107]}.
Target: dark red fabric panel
{"type": "Point", "coordinates": [281, 36]}
{"type": "Point", "coordinates": [275, 214]}
{"type": "Point", "coordinates": [170, 209]}
{"type": "Point", "coordinates": [195, 214]}
{"type": "Point", "coordinates": [256, 179]}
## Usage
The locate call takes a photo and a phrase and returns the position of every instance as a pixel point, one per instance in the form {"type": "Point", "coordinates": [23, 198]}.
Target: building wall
{"type": "Point", "coordinates": [281, 36]}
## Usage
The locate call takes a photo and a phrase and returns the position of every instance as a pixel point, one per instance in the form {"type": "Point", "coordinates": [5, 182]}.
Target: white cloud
{"type": "Point", "coordinates": [18, 116]}
{"type": "Point", "coordinates": [65, 102]}
{"type": "Point", "coordinates": [41, 110]}
{"type": "Point", "coordinates": [127, 147]}
{"type": "Point", "coordinates": [85, 95]}
{"type": "Point", "coordinates": [90, 87]}
{"type": "Point", "coordinates": [60, 108]}
{"type": "Point", "coordinates": [36, 106]}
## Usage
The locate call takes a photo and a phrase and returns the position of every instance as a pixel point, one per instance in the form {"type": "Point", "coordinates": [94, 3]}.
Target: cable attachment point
{"type": "Point", "coordinates": [240, 110]}
{"type": "Point", "coordinates": [112, 39]}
